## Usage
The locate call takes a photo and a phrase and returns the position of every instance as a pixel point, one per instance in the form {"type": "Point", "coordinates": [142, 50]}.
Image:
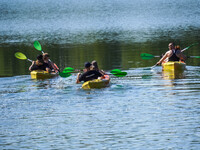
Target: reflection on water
{"type": "Point", "coordinates": [108, 55]}
{"type": "Point", "coordinates": [173, 74]}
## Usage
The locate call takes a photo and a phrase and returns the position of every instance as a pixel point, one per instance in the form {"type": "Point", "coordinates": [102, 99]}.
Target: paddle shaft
{"type": "Point", "coordinates": [189, 47]}
{"type": "Point", "coordinates": [54, 65]}
{"type": "Point", "coordinates": [157, 56]}
{"type": "Point", "coordinates": [153, 66]}
{"type": "Point", "coordinates": [119, 74]}
{"type": "Point", "coordinates": [194, 57]}
{"type": "Point", "coordinates": [38, 46]}
{"type": "Point", "coordinates": [183, 51]}
{"type": "Point", "coordinates": [29, 60]}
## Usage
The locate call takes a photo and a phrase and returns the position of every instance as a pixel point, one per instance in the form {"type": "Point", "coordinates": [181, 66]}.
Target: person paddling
{"type": "Point", "coordinates": [172, 55]}
{"type": "Point", "coordinates": [88, 74]}
{"type": "Point", "coordinates": [95, 67]}
{"type": "Point", "coordinates": [39, 64]}
{"type": "Point", "coordinates": [52, 66]}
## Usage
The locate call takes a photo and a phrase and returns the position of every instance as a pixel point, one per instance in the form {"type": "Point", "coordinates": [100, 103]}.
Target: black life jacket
{"type": "Point", "coordinates": [174, 57]}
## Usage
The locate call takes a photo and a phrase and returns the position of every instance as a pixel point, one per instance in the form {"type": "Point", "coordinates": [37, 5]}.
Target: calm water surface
{"type": "Point", "coordinates": [143, 110]}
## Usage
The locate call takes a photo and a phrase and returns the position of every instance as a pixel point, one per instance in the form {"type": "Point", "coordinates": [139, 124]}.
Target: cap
{"type": "Point", "coordinates": [87, 64]}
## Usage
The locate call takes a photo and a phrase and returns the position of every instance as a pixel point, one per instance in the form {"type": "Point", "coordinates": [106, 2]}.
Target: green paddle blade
{"type": "Point", "coordinates": [115, 71]}
{"type": "Point", "coordinates": [37, 45]}
{"type": "Point", "coordinates": [120, 74]}
{"type": "Point", "coordinates": [194, 56]}
{"type": "Point", "coordinates": [20, 55]}
{"type": "Point", "coordinates": [146, 56]}
{"type": "Point", "coordinates": [64, 75]}
{"type": "Point", "coordinates": [191, 45]}
{"type": "Point", "coordinates": [68, 70]}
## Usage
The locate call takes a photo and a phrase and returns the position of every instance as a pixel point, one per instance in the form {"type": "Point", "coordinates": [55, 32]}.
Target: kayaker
{"type": "Point", "coordinates": [172, 55]}
{"type": "Point", "coordinates": [52, 66]}
{"type": "Point", "coordinates": [88, 74]}
{"type": "Point", "coordinates": [95, 67]}
{"type": "Point", "coordinates": [39, 64]}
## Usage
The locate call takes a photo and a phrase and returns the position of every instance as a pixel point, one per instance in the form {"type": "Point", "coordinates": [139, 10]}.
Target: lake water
{"type": "Point", "coordinates": [143, 110]}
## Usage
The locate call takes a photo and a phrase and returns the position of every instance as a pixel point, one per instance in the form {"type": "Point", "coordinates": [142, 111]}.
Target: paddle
{"type": "Point", "coordinates": [193, 56]}
{"type": "Point", "coordinates": [189, 46]}
{"type": "Point", "coordinates": [68, 69]}
{"type": "Point", "coordinates": [21, 56]}
{"type": "Point", "coordinates": [120, 74]}
{"type": "Point", "coordinates": [150, 56]}
{"type": "Point", "coordinates": [38, 46]}
{"type": "Point", "coordinates": [115, 72]}
{"type": "Point", "coordinates": [149, 68]}
{"type": "Point", "coordinates": [64, 75]}
{"type": "Point", "coordinates": [147, 56]}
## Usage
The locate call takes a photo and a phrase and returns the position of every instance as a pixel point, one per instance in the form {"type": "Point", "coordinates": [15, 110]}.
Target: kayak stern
{"type": "Point", "coordinates": [40, 74]}
{"type": "Point", "coordinates": [97, 83]}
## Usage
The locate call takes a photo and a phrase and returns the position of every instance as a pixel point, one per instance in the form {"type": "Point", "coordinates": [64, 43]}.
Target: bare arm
{"type": "Point", "coordinates": [77, 79]}
{"type": "Point", "coordinates": [54, 66]}
{"type": "Point", "coordinates": [31, 66]}
{"type": "Point", "coordinates": [102, 72]}
{"type": "Point", "coordinates": [163, 58]}
{"type": "Point", "coordinates": [48, 70]}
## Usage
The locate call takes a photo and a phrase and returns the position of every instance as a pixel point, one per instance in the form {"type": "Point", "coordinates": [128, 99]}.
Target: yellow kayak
{"type": "Point", "coordinates": [97, 83]}
{"type": "Point", "coordinates": [176, 66]}
{"type": "Point", "coordinates": [40, 74]}
{"type": "Point", "coordinates": [173, 70]}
